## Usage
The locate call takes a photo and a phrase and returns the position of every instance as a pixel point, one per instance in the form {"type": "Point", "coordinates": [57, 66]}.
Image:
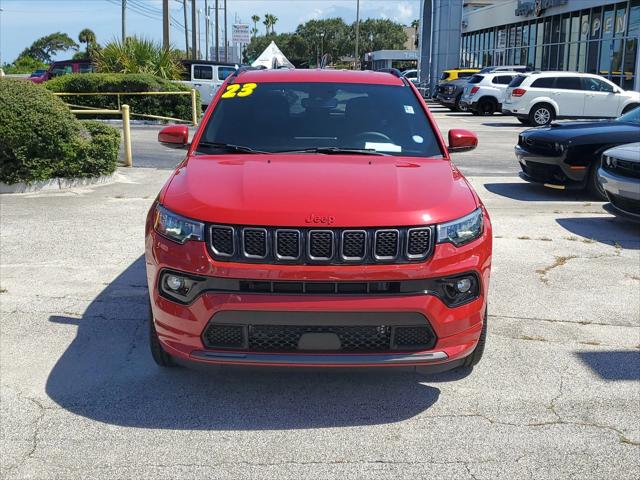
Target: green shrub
{"type": "Point", "coordinates": [41, 139]}
{"type": "Point", "coordinates": [177, 106]}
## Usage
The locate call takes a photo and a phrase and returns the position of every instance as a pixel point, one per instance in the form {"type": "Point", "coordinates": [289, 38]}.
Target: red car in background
{"type": "Point", "coordinates": [64, 67]}
{"type": "Point", "coordinates": [317, 220]}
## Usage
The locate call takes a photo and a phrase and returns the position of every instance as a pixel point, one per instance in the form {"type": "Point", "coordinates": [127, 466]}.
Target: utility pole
{"type": "Point", "coordinates": [199, 36]}
{"type": "Point", "coordinates": [357, 33]}
{"type": "Point", "coordinates": [217, 29]}
{"type": "Point", "coordinates": [206, 29]}
{"type": "Point", "coordinates": [1, 34]}
{"type": "Point", "coordinates": [123, 4]}
{"type": "Point", "coordinates": [165, 24]}
{"type": "Point", "coordinates": [226, 44]}
{"type": "Point", "coordinates": [186, 29]}
{"type": "Point", "coordinates": [194, 30]}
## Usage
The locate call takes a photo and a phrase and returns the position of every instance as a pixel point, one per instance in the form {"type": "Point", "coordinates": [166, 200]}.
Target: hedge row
{"type": "Point", "coordinates": [41, 139]}
{"type": "Point", "coordinates": [177, 106]}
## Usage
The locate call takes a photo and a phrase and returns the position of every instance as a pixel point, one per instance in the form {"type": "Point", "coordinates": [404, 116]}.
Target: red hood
{"type": "Point", "coordinates": [284, 190]}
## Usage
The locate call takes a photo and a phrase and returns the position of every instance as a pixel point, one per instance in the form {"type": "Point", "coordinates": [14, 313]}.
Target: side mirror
{"type": "Point", "coordinates": [174, 136]}
{"type": "Point", "coordinates": [462, 140]}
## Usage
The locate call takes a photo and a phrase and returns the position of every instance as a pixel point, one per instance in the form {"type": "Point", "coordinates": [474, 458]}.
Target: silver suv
{"type": "Point", "coordinates": [484, 94]}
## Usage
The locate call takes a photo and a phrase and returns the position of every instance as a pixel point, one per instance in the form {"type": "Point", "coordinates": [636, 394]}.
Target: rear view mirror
{"type": "Point", "coordinates": [174, 136]}
{"type": "Point", "coordinates": [462, 140]}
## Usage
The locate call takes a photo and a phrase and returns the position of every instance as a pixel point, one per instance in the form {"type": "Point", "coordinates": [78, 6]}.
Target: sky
{"type": "Point", "coordinates": [23, 21]}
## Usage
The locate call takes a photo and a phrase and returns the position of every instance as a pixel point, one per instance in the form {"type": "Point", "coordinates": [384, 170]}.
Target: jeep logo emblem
{"type": "Point", "coordinates": [321, 219]}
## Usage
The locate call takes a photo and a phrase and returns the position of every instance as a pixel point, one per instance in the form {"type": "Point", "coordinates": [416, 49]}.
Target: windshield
{"type": "Point", "coordinates": [633, 116]}
{"type": "Point", "coordinates": [279, 117]}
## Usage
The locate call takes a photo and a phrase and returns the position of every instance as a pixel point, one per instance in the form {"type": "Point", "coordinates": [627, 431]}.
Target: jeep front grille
{"type": "Point", "coordinates": [320, 246]}
{"type": "Point", "coordinates": [350, 338]}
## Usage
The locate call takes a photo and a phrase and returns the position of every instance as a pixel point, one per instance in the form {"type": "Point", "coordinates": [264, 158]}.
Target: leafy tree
{"type": "Point", "coordinates": [44, 48]}
{"type": "Point", "coordinates": [330, 35]}
{"type": "Point", "coordinates": [25, 65]}
{"type": "Point", "coordinates": [255, 19]}
{"type": "Point", "coordinates": [139, 55]}
{"type": "Point", "coordinates": [87, 36]}
{"type": "Point", "coordinates": [380, 34]}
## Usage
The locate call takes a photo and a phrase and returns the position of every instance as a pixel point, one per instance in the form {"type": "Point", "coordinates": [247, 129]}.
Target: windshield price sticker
{"type": "Point", "coordinates": [239, 90]}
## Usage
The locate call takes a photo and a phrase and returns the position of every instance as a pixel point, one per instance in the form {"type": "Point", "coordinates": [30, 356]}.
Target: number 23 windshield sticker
{"type": "Point", "coordinates": [239, 90]}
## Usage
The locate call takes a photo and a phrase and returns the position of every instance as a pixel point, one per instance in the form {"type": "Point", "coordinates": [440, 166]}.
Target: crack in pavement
{"type": "Point", "coordinates": [551, 320]}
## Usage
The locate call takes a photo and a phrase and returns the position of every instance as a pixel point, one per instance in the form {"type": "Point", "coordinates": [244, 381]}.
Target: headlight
{"type": "Point", "coordinates": [462, 230]}
{"type": "Point", "coordinates": [176, 227]}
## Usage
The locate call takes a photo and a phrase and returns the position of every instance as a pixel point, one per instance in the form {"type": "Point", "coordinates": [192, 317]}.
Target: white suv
{"type": "Point", "coordinates": [484, 93]}
{"type": "Point", "coordinates": [538, 98]}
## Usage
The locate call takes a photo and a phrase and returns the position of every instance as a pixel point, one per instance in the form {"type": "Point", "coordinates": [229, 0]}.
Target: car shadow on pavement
{"type": "Point", "coordinates": [504, 124]}
{"type": "Point", "coordinates": [529, 192]}
{"type": "Point", "coordinates": [608, 230]}
{"type": "Point", "coordinates": [613, 366]}
{"type": "Point", "coordinates": [107, 374]}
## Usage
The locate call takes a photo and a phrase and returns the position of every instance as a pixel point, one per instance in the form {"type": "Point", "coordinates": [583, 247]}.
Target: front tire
{"type": "Point", "coordinates": [541, 115]}
{"type": "Point", "coordinates": [473, 359]}
{"type": "Point", "coordinates": [593, 184]}
{"type": "Point", "coordinates": [162, 358]}
{"type": "Point", "coordinates": [486, 107]}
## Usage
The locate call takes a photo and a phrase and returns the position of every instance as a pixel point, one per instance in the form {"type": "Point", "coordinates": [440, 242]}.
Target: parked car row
{"type": "Point", "coordinates": [537, 98]}
{"type": "Point", "coordinates": [602, 157]}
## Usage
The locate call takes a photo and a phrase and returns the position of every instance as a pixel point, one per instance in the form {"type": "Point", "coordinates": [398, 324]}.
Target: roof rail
{"type": "Point", "coordinates": [245, 69]}
{"type": "Point", "coordinates": [393, 71]}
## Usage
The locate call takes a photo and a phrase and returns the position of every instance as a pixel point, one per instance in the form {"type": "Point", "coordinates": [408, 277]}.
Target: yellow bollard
{"type": "Point", "coordinates": [126, 131]}
{"type": "Point", "coordinates": [194, 107]}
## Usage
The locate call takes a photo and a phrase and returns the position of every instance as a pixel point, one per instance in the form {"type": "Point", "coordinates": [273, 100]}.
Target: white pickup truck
{"type": "Point", "coordinates": [206, 77]}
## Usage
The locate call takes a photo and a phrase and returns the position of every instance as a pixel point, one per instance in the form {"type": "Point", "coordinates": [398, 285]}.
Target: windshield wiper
{"type": "Point", "coordinates": [228, 147]}
{"type": "Point", "coordinates": [336, 151]}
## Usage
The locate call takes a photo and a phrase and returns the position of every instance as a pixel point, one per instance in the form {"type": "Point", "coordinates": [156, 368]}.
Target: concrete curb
{"type": "Point", "coordinates": [55, 184]}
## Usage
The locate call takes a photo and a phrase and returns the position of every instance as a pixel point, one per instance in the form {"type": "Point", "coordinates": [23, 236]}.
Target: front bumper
{"type": "Point", "coordinates": [623, 193]}
{"type": "Point", "coordinates": [447, 99]}
{"type": "Point", "coordinates": [181, 327]}
{"type": "Point", "coordinates": [551, 171]}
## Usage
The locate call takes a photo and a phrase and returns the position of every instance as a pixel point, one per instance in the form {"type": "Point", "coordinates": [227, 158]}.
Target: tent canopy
{"type": "Point", "coordinates": [272, 57]}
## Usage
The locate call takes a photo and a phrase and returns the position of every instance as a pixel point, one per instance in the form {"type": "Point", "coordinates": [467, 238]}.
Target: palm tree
{"type": "Point", "coordinates": [255, 19]}
{"type": "Point", "coordinates": [416, 25]}
{"type": "Point", "coordinates": [87, 36]}
{"type": "Point", "coordinates": [269, 21]}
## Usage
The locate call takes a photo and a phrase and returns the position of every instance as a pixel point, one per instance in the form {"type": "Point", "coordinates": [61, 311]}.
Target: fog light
{"type": "Point", "coordinates": [175, 283]}
{"type": "Point", "coordinates": [463, 285]}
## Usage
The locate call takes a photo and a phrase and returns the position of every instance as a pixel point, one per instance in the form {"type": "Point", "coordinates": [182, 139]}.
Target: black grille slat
{"type": "Point", "coordinates": [414, 337]}
{"type": "Point", "coordinates": [386, 243]}
{"type": "Point", "coordinates": [625, 168]}
{"type": "Point", "coordinates": [288, 244]}
{"type": "Point", "coordinates": [335, 246]}
{"type": "Point", "coordinates": [222, 240]}
{"type": "Point", "coordinates": [321, 244]}
{"type": "Point", "coordinates": [285, 338]}
{"type": "Point", "coordinates": [224, 336]}
{"type": "Point", "coordinates": [625, 204]}
{"type": "Point", "coordinates": [419, 242]}
{"type": "Point", "coordinates": [255, 242]}
{"type": "Point", "coordinates": [354, 244]}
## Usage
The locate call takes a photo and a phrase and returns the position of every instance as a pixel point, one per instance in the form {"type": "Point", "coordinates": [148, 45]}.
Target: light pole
{"type": "Point", "coordinates": [357, 33]}
{"type": "Point", "coordinates": [124, 19]}
{"type": "Point", "coordinates": [199, 36]}
{"type": "Point", "coordinates": [206, 30]}
{"type": "Point", "coordinates": [1, 34]}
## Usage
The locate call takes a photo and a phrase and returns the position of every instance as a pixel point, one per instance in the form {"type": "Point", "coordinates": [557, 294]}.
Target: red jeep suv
{"type": "Point", "coordinates": [317, 220]}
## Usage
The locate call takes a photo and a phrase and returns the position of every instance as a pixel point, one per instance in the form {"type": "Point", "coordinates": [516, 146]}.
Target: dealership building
{"type": "Point", "coordinates": [594, 36]}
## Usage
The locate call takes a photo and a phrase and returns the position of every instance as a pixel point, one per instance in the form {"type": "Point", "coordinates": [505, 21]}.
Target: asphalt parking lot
{"type": "Point", "coordinates": [557, 394]}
